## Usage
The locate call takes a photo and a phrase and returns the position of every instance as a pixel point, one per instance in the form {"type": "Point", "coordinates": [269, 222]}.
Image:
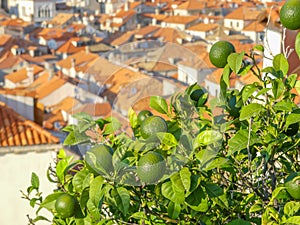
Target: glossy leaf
{"type": "Point", "coordinates": [159, 104]}
{"type": "Point", "coordinates": [238, 222]}
{"type": "Point", "coordinates": [250, 110]}
{"type": "Point", "coordinates": [185, 176]}
{"type": "Point", "coordinates": [167, 139]}
{"type": "Point", "coordinates": [278, 88]}
{"type": "Point", "coordinates": [294, 117]}
{"type": "Point", "coordinates": [35, 182]}
{"type": "Point", "coordinates": [297, 44]}
{"type": "Point", "coordinates": [121, 198]}
{"type": "Point", "coordinates": [235, 61]}
{"type": "Point", "coordinates": [167, 190]}
{"type": "Point", "coordinates": [208, 137]}
{"type": "Point", "coordinates": [81, 180]}
{"type": "Point", "coordinates": [174, 210]}
{"type": "Point", "coordinates": [240, 140]}
{"type": "Point", "coordinates": [280, 63]}
{"type": "Point", "coordinates": [49, 201]}
{"type": "Point", "coordinates": [132, 118]}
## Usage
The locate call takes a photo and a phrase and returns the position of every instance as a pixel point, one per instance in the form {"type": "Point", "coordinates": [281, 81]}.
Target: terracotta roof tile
{"type": "Point", "coordinates": [15, 130]}
{"type": "Point", "coordinates": [255, 26]}
{"type": "Point", "coordinates": [192, 5]}
{"type": "Point", "coordinates": [180, 19]}
{"type": "Point", "coordinates": [5, 39]}
{"type": "Point", "coordinates": [95, 109]}
{"type": "Point", "coordinates": [21, 74]}
{"type": "Point", "coordinates": [158, 17]}
{"type": "Point", "coordinates": [69, 48]}
{"type": "Point", "coordinates": [169, 35]}
{"type": "Point", "coordinates": [244, 13]}
{"type": "Point", "coordinates": [80, 59]}
{"type": "Point", "coordinates": [61, 19]}
{"type": "Point", "coordinates": [203, 27]}
{"type": "Point", "coordinates": [45, 85]}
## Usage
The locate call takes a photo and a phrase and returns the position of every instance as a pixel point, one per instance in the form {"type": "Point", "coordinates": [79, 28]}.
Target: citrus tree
{"type": "Point", "coordinates": [230, 160]}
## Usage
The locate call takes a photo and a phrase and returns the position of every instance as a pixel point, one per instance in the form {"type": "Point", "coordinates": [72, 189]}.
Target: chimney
{"type": "Point", "coordinates": [126, 6]}
{"type": "Point", "coordinates": [72, 63]}
{"type": "Point", "coordinates": [30, 74]}
{"type": "Point", "coordinates": [87, 50]}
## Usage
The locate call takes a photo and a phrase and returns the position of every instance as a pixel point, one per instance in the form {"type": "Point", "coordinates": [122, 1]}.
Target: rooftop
{"type": "Point", "coordinates": [15, 130]}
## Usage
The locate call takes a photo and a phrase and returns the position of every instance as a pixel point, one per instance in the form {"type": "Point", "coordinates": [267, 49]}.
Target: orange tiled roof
{"type": "Point", "coordinates": [69, 48]}
{"type": "Point", "coordinates": [244, 13]}
{"type": "Point", "coordinates": [158, 17]}
{"type": "Point", "coordinates": [81, 59]}
{"type": "Point", "coordinates": [4, 39]}
{"type": "Point", "coordinates": [125, 14]}
{"type": "Point", "coordinates": [255, 26]}
{"type": "Point", "coordinates": [169, 35]}
{"type": "Point", "coordinates": [66, 104]}
{"type": "Point", "coordinates": [21, 74]}
{"type": "Point", "coordinates": [61, 19]}
{"type": "Point", "coordinates": [95, 109]}
{"type": "Point", "coordinates": [203, 27]}
{"type": "Point", "coordinates": [123, 39]}
{"type": "Point", "coordinates": [45, 85]}
{"type": "Point", "coordinates": [18, 22]}
{"type": "Point", "coordinates": [192, 5]}
{"type": "Point", "coordinates": [180, 19]}
{"type": "Point", "coordinates": [146, 30]}
{"type": "Point", "coordinates": [121, 78]}
{"type": "Point", "coordinates": [15, 130]}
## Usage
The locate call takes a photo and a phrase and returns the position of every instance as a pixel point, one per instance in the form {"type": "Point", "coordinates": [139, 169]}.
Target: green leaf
{"type": "Point", "coordinates": [259, 48]}
{"type": "Point", "coordinates": [121, 199]}
{"type": "Point", "coordinates": [239, 141]}
{"type": "Point", "coordinates": [177, 183]}
{"type": "Point", "coordinates": [69, 128]}
{"type": "Point", "coordinates": [284, 106]}
{"type": "Point", "coordinates": [113, 125]}
{"type": "Point", "coordinates": [245, 69]}
{"type": "Point", "coordinates": [139, 216]}
{"type": "Point", "coordinates": [270, 70]}
{"type": "Point", "coordinates": [292, 220]}
{"type": "Point", "coordinates": [197, 201]}
{"type": "Point", "coordinates": [174, 210]}
{"type": "Point", "coordinates": [257, 207]}
{"type": "Point", "coordinates": [294, 117]}
{"type": "Point", "coordinates": [49, 201]}
{"type": "Point", "coordinates": [75, 138]}
{"type": "Point", "coordinates": [250, 110]}
{"type": "Point", "coordinates": [84, 117]}
{"type": "Point", "coordinates": [213, 190]}
{"type": "Point", "coordinates": [205, 157]}
{"type": "Point", "coordinates": [278, 88]}
{"type": "Point", "coordinates": [226, 75]}
{"type": "Point", "coordinates": [61, 167]}
{"type": "Point", "coordinates": [159, 104]}
{"type": "Point", "coordinates": [35, 182]}
{"type": "Point", "coordinates": [93, 210]}
{"type": "Point", "coordinates": [167, 190]}
{"type": "Point", "coordinates": [95, 192]}
{"type": "Point", "coordinates": [275, 193]}
{"type": "Point", "coordinates": [81, 180]}
{"type": "Point", "coordinates": [167, 139]}
{"type": "Point", "coordinates": [132, 118]}
{"type": "Point", "coordinates": [238, 222]}
{"type": "Point", "coordinates": [216, 163]}
{"type": "Point", "coordinates": [297, 86]}
{"type": "Point", "coordinates": [185, 176]}
{"type": "Point", "coordinates": [208, 137]}
{"type": "Point", "coordinates": [291, 208]}
{"type": "Point", "coordinates": [297, 44]}
{"type": "Point", "coordinates": [280, 63]}
{"type": "Point", "coordinates": [235, 61]}
{"type": "Point", "coordinates": [291, 80]}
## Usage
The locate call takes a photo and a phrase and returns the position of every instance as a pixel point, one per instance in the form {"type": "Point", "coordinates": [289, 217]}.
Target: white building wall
{"type": "Point", "coordinates": [15, 173]}
{"type": "Point", "coordinates": [24, 105]}
{"type": "Point", "coordinates": [272, 44]}
{"type": "Point", "coordinates": [237, 25]}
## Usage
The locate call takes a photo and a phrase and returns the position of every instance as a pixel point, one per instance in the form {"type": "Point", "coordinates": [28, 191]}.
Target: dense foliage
{"type": "Point", "coordinates": [227, 161]}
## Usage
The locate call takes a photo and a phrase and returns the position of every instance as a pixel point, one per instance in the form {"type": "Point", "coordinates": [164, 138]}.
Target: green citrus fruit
{"type": "Point", "coordinates": [143, 115]}
{"type": "Point", "coordinates": [65, 205]}
{"type": "Point", "coordinates": [292, 129]}
{"type": "Point", "coordinates": [219, 53]}
{"type": "Point", "coordinates": [290, 14]}
{"type": "Point", "coordinates": [151, 167]}
{"type": "Point", "coordinates": [99, 159]}
{"type": "Point", "coordinates": [196, 94]}
{"type": "Point", "coordinates": [293, 187]}
{"type": "Point", "coordinates": [151, 125]}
